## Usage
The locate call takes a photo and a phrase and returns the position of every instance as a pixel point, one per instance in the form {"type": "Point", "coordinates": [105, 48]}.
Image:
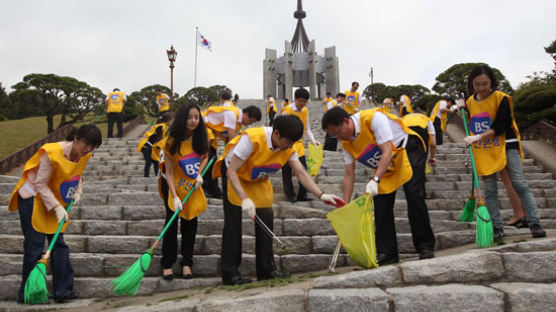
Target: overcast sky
{"type": "Point", "coordinates": [123, 43]}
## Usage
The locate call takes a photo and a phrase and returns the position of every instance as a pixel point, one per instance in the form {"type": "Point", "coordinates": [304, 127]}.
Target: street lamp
{"type": "Point", "coordinates": [172, 54]}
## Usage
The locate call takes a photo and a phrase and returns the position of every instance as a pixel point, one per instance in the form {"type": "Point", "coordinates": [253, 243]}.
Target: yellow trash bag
{"type": "Point", "coordinates": [428, 169]}
{"type": "Point", "coordinates": [314, 159]}
{"type": "Point", "coordinates": [354, 224]}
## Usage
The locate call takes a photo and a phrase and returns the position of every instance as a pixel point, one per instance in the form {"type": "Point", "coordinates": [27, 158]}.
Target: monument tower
{"type": "Point", "coordinates": [300, 66]}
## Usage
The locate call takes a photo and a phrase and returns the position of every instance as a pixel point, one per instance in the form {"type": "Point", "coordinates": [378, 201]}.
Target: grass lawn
{"type": "Point", "coordinates": [17, 134]}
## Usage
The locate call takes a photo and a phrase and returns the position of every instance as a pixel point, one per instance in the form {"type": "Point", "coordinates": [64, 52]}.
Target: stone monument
{"type": "Point", "coordinates": [300, 66]}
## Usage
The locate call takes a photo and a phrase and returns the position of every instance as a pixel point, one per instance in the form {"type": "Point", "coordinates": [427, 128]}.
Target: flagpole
{"type": "Point", "coordinates": [196, 44]}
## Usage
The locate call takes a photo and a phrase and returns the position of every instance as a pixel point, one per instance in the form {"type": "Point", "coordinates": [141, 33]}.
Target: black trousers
{"type": "Point", "coordinates": [404, 111]}
{"type": "Point", "coordinates": [210, 185]}
{"type": "Point", "coordinates": [146, 150]}
{"type": "Point", "coordinates": [231, 239]}
{"type": "Point", "coordinates": [271, 115]}
{"type": "Point", "coordinates": [330, 143]}
{"type": "Point", "coordinates": [33, 245]}
{"type": "Point", "coordinates": [417, 212]}
{"type": "Point", "coordinates": [438, 130]}
{"type": "Point", "coordinates": [188, 229]}
{"type": "Point", "coordinates": [118, 119]}
{"type": "Point", "coordinates": [287, 180]}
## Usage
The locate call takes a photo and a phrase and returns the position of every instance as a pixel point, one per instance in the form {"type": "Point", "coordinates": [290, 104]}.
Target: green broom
{"type": "Point", "coordinates": [35, 286]}
{"type": "Point", "coordinates": [468, 212]}
{"type": "Point", "coordinates": [483, 237]}
{"type": "Point", "coordinates": [128, 282]}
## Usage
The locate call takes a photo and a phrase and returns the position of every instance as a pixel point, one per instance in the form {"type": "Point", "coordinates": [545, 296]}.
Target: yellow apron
{"type": "Point", "coordinates": [115, 102]}
{"type": "Point", "coordinates": [351, 105]}
{"type": "Point", "coordinates": [443, 116]}
{"type": "Point", "coordinates": [417, 120]}
{"type": "Point", "coordinates": [270, 104]}
{"type": "Point", "coordinates": [407, 105]}
{"type": "Point", "coordinates": [162, 102]}
{"type": "Point", "coordinates": [298, 146]}
{"type": "Point", "coordinates": [219, 130]}
{"type": "Point", "coordinates": [149, 133]}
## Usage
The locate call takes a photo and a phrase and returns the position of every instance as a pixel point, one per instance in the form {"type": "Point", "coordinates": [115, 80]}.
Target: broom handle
{"type": "Point", "coordinates": [177, 211]}
{"type": "Point", "coordinates": [471, 154]}
{"type": "Point", "coordinates": [60, 225]}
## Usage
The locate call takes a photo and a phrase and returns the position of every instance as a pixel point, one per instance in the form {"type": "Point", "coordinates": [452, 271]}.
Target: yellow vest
{"type": "Point", "coordinates": [334, 104]}
{"type": "Point", "coordinates": [162, 102]}
{"type": "Point", "coordinates": [219, 130]}
{"type": "Point", "coordinates": [63, 183]}
{"type": "Point", "coordinates": [298, 146]}
{"type": "Point", "coordinates": [150, 132]}
{"type": "Point", "coordinates": [443, 116]}
{"type": "Point", "coordinates": [269, 104]}
{"type": "Point", "coordinates": [366, 150]}
{"type": "Point", "coordinates": [325, 102]}
{"type": "Point", "coordinates": [284, 104]}
{"type": "Point", "coordinates": [489, 153]}
{"type": "Point", "coordinates": [115, 102]}
{"type": "Point", "coordinates": [417, 120]}
{"type": "Point", "coordinates": [351, 105]}
{"type": "Point", "coordinates": [254, 174]}
{"type": "Point", "coordinates": [186, 168]}
{"type": "Point", "coordinates": [387, 105]}
{"type": "Point", "coordinates": [407, 105]}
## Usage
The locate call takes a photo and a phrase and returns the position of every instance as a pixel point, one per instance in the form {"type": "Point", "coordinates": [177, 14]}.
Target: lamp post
{"type": "Point", "coordinates": [371, 74]}
{"type": "Point", "coordinates": [172, 54]}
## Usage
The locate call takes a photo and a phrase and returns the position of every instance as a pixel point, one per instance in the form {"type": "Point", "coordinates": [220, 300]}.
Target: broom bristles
{"type": "Point", "coordinates": [483, 237]}
{"type": "Point", "coordinates": [128, 282]}
{"type": "Point", "coordinates": [36, 291]}
{"type": "Point", "coordinates": [468, 212]}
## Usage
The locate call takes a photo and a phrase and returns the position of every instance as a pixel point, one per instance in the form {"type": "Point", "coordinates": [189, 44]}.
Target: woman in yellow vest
{"type": "Point", "coordinates": [245, 168]}
{"type": "Point", "coordinates": [387, 105]}
{"type": "Point", "coordinates": [397, 156]}
{"type": "Point", "coordinates": [270, 109]}
{"type": "Point", "coordinates": [496, 145]}
{"type": "Point", "coordinates": [162, 103]}
{"type": "Point", "coordinates": [51, 179]}
{"type": "Point", "coordinates": [153, 135]}
{"type": "Point", "coordinates": [185, 156]}
{"type": "Point", "coordinates": [327, 98]}
{"type": "Point", "coordinates": [405, 105]}
{"type": "Point", "coordinates": [439, 116]}
{"type": "Point", "coordinates": [285, 103]}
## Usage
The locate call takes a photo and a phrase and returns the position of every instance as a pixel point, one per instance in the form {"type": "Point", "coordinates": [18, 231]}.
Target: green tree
{"type": "Point", "coordinates": [200, 95]}
{"type": "Point", "coordinates": [145, 99]}
{"type": "Point", "coordinates": [551, 49]}
{"type": "Point", "coordinates": [533, 103]}
{"type": "Point", "coordinates": [219, 90]}
{"type": "Point", "coordinates": [5, 104]}
{"type": "Point", "coordinates": [376, 91]}
{"type": "Point", "coordinates": [412, 91]}
{"type": "Point", "coordinates": [453, 81]}
{"type": "Point", "coordinates": [426, 102]}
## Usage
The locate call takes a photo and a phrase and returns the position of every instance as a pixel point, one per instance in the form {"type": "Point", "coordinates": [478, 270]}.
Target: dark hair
{"type": "Point", "coordinates": [286, 100]}
{"type": "Point", "coordinates": [477, 71]}
{"type": "Point", "coordinates": [353, 83]}
{"type": "Point", "coordinates": [253, 112]}
{"type": "Point", "coordinates": [163, 118]}
{"type": "Point", "coordinates": [334, 116]}
{"type": "Point", "coordinates": [268, 95]}
{"type": "Point", "coordinates": [301, 93]}
{"type": "Point", "coordinates": [289, 127]}
{"type": "Point", "coordinates": [226, 95]}
{"type": "Point", "coordinates": [341, 95]}
{"type": "Point", "coordinates": [89, 133]}
{"type": "Point", "coordinates": [449, 99]}
{"type": "Point", "coordinates": [236, 97]}
{"type": "Point", "coordinates": [178, 127]}
{"type": "Point", "coordinates": [116, 89]}
{"type": "Point", "coordinates": [328, 93]}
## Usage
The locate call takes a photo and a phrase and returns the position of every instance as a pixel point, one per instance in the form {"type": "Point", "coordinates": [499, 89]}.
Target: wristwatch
{"type": "Point", "coordinates": [376, 179]}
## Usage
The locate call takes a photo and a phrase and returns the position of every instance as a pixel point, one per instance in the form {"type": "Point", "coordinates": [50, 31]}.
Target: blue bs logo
{"type": "Point", "coordinates": [114, 97]}
{"type": "Point", "coordinates": [480, 123]}
{"type": "Point", "coordinates": [161, 101]}
{"type": "Point", "coordinates": [190, 164]}
{"type": "Point", "coordinates": [68, 188]}
{"type": "Point", "coordinates": [370, 156]}
{"type": "Point", "coordinates": [351, 98]}
{"type": "Point", "coordinates": [263, 172]}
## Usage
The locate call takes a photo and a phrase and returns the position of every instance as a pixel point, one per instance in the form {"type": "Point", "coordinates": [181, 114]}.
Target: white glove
{"type": "Point", "coordinates": [177, 203]}
{"type": "Point", "coordinates": [248, 206]}
{"type": "Point", "coordinates": [61, 214]}
{"type": "Point", "coordinates": [198, 181]}
{"type": "Point", "coordinates": [330, 199]}
{"type": "Point", "coordinates": [76, 198]}
{"type": "Point", "coordinates": [454, 107]}
{"type": "Point", "coordinates": [372, 188]}
{"type": "Point", "coordinates": [460, 103]}
{"type": "Point", "coordinates": [471, 139]}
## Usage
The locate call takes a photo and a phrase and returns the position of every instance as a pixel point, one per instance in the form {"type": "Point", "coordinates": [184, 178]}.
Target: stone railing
{"type": "Point", "coordinates": [540, 130]}
{"type": "Point", "coordinates": [22, 155]}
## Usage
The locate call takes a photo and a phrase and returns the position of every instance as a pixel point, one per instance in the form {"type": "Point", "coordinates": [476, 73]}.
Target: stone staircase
{"type": "Point", "coordinates": [121, 214]}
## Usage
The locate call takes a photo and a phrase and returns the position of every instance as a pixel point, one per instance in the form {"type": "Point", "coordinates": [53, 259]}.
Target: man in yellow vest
{"type": "Point", "coordinates": [245, 168]}
{"type": "Point", "coordinates": [405, 105]}
{"type": "Point", "coordinates": [439, 116]}
{"type": "Point", "coordinates": [301, 96]}
{"type": "Point", "coordinates": [226, 99]}
{"type": "Point", "coordinates": [225, 122]}
{"type": "Point", "coordinates": [328, 98]}
{"type": "Point", "coordinates": [162, 102]}
{"type": "Point", "coordinates": [397, 156]}
{"type": "Point", "coordinates": [285, 103]}
{"type": "Point", "coordinates": [270, 109]}
{"type": "Point", "coordinates": [114, 109]}
{"type": "Point", "coordinates": [330, 143]}
{"type": "Point", "coordinates": [353, 99]}
{"type": "Point", "coordinates": [422, 125]}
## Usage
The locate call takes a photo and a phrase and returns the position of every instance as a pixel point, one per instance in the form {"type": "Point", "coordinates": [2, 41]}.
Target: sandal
{"type": "Point", "coordinates": [187, 275]}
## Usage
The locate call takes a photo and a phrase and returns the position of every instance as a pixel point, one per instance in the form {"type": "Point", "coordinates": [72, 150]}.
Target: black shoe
{"type": "Point", "coordinates": [188, 276]}
{"type": "Point", "coordinates": [498, 234]}
{"type": "Point", "coordinates": [537, 231]}
{"type": "Point", "coordinates": [426, 254]}
{"type": "Point", "coordinates": [168, 277]}
{"type": "Point", "coordinates": [72, 295]}
{"type": "Point", "coordinates": [384, 259]}
{"type": "Point", "coordinates": [238, 280]}
{"type": "Point", "coordinates": [291, 198]}
{"type": "Point", "coordinates": [304, 198]}
{"type": "Point", "coordinates": [520, 224]}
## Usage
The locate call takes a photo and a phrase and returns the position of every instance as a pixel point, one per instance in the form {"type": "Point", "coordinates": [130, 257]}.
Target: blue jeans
{"type": "Point", "coordinates": [515, 170]}
{"type": "Point", "coordinates": [33, 245]}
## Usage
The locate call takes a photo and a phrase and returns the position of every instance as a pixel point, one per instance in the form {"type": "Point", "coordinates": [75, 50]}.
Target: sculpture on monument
{"type": "Point", "coordinates": [300, 66]}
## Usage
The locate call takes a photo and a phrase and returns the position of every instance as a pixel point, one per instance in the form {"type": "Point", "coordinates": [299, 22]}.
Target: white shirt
{"type": "Point", "coordinates": [330, 104]}
{"type": "Point", "coordinates": [443, 104]}
{"type": "Point", "coordinates": [227, 117]}
{"type": "Point", "coordinates": [384, 129]}
{"type": "Point", "coordinates": [228, 103]}
{"type": "Point", "coordinates": [430, 128]}
{"type": "Point", "coordinates": [308, 131]}
{"type": "Point", "coordinates": [244, 148]}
